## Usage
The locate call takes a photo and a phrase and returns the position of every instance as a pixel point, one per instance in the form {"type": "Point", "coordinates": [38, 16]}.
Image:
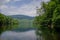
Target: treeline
{"type": "Point", "coordinates": [48, 21]}
{"type": "Point", "coordinates": [5, 22]}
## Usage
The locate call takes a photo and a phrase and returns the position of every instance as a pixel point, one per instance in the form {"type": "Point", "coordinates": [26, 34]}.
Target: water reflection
{"type": "Point", "coordinates": [10, 35]}
{"type": "Point", "coordinates": [7, 27]}
{"type": "Point", "coordinates": [48, 35]}
{"type": "Point", "coordinates": [26, 35]}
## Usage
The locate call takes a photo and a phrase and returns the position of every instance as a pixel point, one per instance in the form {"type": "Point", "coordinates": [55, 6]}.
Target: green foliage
{"type": "Point", "coordinates": [49, 21]}
{"type": "Point", "coordinates": [5, 20]}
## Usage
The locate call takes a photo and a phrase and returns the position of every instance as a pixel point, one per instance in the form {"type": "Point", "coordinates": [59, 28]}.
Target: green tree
{"type": "Point", "coordinates": [48, 22]}
{"type": "Point", "coordinates": [6, 20]}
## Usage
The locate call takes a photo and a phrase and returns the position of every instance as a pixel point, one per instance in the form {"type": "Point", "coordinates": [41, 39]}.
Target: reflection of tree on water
{"type": "Point", "coordinates": [7, 27]}
{"type": "Point", "coordinates": [47, 35]}
{"type": "Point", "coordinates": [39, 35]}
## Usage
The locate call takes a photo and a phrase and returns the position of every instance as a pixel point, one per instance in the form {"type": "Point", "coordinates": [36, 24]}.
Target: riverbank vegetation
{"type": "Point", "coordinates": [17, 23]}
{"type": "Point", "coordinates": [6, 20]}
{"type": "Point", "coordinates": [48, 21]}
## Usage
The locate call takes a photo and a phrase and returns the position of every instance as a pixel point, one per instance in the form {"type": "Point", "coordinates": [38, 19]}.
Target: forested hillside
{"type": "Point", "coordinates": [21, 17]}
{"type": "Point", "coordinates": [23, 23]}
{"type": "Point", "coordinates": [6, 20]}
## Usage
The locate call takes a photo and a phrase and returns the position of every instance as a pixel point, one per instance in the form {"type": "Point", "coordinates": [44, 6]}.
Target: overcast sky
{"type": "Point", "coordinates": [19, 7]}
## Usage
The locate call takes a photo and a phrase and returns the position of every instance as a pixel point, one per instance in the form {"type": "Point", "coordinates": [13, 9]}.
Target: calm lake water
{"type": "Point", "coordinates": [11, 35]}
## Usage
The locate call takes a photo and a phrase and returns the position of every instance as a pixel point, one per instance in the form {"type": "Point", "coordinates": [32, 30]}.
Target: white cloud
{"type": "Point", "coordinates": [2, 2]}
{"type": "Point", "coordinates": [45, 0]}
{"type": "Point", "coordinates": [26, 9]}
{"type": "Point", "coordinates": [17, 0]}
{"type": "Point", "coordinates": [7, 0]}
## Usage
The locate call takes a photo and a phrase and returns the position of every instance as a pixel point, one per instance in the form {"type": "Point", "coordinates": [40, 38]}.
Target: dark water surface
{"type": "Point", "coordinates": [11, 35]}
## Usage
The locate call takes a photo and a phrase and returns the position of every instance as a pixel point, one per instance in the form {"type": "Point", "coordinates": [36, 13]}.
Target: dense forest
{"type": "Point", "coordinates": [6, 20]}
{"type": "Point", "coordinates": [17, 23]}
{"type": "Point", "coordinates": [48, 21]}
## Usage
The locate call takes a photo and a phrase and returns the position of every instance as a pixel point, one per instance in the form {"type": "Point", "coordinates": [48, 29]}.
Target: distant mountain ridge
{"type": "Point", "coordinates": [25, 23]}
{"type": "Point", "coordinates": [21, 17]}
